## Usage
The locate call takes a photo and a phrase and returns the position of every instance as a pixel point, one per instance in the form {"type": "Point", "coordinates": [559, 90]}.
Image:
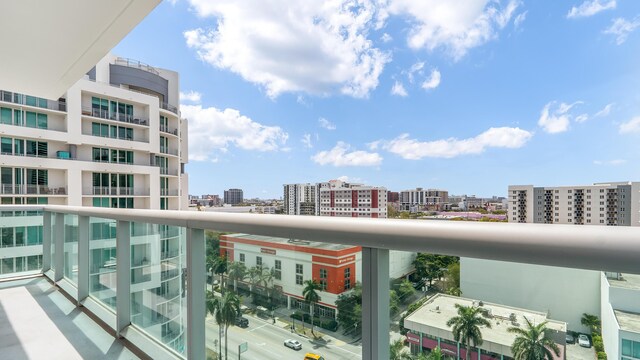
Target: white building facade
{"type": "Point", "coordinates": [421, 199]}
{"type": "Point", "coordinates": [342, 199]}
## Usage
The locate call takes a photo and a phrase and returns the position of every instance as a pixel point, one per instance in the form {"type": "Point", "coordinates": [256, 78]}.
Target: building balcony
{"type": "Point", "coordinates": [88, 255]}
{"type": "Point", "coordinates": [32, 190]}
{"type": "Point", "coordinates": [115, 191]}
{"type": "Point", "coordinates": [168, 130]}
{"type": "Point", "coordinates": [168, 107]}
{"type": "Point", "coordinates": [115, 116]}
{"type": "Point", "coordinates": [20, 99]}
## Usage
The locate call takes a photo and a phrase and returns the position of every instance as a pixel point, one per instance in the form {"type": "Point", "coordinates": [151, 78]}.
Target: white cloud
{"type": "Point", "coordinates": [605, 111]}
{"type": "Point", "coordinates": [557, 120]}
{"type": "Point", "coordinates": [621, 28]}
{"type": "Point", "coordinates": [582, 118]}
{"type": "Point", "coordinates": [347, 179]}
{"type": "Point", "coordinates": [589, 8]}
{"type": "Point", "coordinates": [398, 89]}
{"type": "Point", "coordinates": [306, 140]}
{"type": "Point", "coordinates": [340, 156]}
{"type": "Point", "coordinates": [317, 47]}
{"type": "Point", "coordinates": [212, 131]}
{"type": "Point", "coordinates": [191, 96]}
{"type": "Point", "coordinates": [455, 26]}
{"type": "Point", "coordinates": [610, 162]}
{"type": "Point", "coordinates": [385, 38]}
{"type": "Point", "coordinates": [415, 68]}
{"type": "Point", "coordinates": [630, 126]}
{"type": "Point", "coordinates": [502, 137]}
{"type": "Point", "coordinates": [324, 123]}
{"type": "Point", "coordinates": [432, 81]}
{"type": "Point", "coordinates": [519, 19]}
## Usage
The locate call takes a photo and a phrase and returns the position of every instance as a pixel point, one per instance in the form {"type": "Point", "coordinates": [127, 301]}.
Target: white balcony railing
{"type": "Point", "coordinates": [612, 249]}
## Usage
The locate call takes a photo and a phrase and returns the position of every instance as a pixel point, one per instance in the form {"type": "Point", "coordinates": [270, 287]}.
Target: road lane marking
{"type": "Point", "coordinates": [261, 326]}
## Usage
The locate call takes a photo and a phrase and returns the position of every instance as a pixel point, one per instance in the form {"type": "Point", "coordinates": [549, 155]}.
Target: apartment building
{"type": "Point", "coordinates": [233, 196]}
{"type": "Point", "coordinates": [423, 199]}
{"type": "Point", "coordinates": [301, 199]}
{"type": "Point", "coordinates": [114, 139]}
{"type": "Point", "coordinates": [611, 204]}
{"type": "Point", "coordinates": [611, 296]}
{"type": "Point", "coordinates": [342, 199]}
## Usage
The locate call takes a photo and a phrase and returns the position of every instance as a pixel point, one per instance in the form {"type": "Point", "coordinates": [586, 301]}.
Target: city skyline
{"type": "Point", "coordinates": [518, 93]}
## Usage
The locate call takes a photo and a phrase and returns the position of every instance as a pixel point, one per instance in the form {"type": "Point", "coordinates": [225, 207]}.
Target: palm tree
{"type": "Point", "coordinates": [226, 309]}
{"type": "Point", "coordinates": [466, 326]}
{"type": "Point", "coordinates": [397, 351]}
{"type": "Point", "coordinates": [237, 271]}
{"type": "Point", "coordinates": [311, 296]}
{"type": "Point", "coordinates": [590, 321]}
{"type": "Point", "coordinates": [211, 263]}
{"type": "Point", "coordinates": [255, 276]}
{"type": "Point", "coordinates": [213, 306]}
{"type": "Point", "coordinates": [220, 267]}
{"type": "Point", "coordinates": [435, 354]}
{"type": "Point", "coordinates": [533, 343]}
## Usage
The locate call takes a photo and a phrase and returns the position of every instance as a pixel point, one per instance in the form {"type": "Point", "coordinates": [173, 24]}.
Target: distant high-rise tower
{"type": "Point", "coordinates": [301, 199]}
{"type": "Point", "coordinates": [233, 196]}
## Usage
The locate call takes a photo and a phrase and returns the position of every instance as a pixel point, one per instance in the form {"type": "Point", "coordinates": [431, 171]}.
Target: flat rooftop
{"type": "Point", "coordinates": [628, 281]}
{"type": "Point", "coordinates": [291, 242]}
{"type": "Point", "coordinates": [439, 309]}
{"type": "Point", "coordinates": [38, 322]}
{"type": "Point", "coordinates": [628, 321]}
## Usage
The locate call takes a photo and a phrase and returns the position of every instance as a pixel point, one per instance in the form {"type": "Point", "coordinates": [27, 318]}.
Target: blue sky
{"type": "Point", "coordinates": [466, 96]}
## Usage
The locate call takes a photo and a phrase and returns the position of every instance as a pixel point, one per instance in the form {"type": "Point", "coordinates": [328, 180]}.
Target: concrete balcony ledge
{"type": "Point", "coordinates": [39, 322]}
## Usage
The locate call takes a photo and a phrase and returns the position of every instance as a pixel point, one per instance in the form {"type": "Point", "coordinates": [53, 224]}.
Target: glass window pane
{"type": "Point", "coordinates": [6, 146]}
{"type": "Point", "coordinates": [17, 117]}
{"type": "Point", "coordinates": [31, 100]}
{"type": "Point", "coordinates": [31, 119]}
{"type": "Point", "coordinates": [18, 146]}
{"type": "Point", "coordinates": [102, 260]}
{"type": "Point", "coordinates": [636, 349]}
{"type": "Point", "coordinates": [95, 129]}
{"type": "Point", "coordinates": [5, 116]}
{"type": "Point", "coordinates": [42, 121]}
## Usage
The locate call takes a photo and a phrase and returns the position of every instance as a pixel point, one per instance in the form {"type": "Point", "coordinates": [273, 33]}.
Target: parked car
{"type": "Point", "coordinates": [583, 340]}
{"type": "Point", "coordinates": [242, 322]}
{"type": "Point", "coordinates": [293, 344]}
{"type": "Point", "coordinates": [570, 339]}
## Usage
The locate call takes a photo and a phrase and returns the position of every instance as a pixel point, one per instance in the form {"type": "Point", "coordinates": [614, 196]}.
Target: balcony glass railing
{"type": "Point", "coordinates": [6, 189]}
{"type": "Point", "coordinates": [16, 98]}
{"type": "Point", "coordinates": [340, 288]}
{"type": "Point", "coordinates": [136, 64]}
{"type": "Point", "coordinates": [168, 130]}
{"type": "Point", "coordinates": [109, 115]}
{"type": "Point", "coordinates": [116, 191]}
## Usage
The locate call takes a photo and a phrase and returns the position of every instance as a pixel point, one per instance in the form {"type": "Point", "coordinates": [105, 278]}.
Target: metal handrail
{"type": "Point", "coordinates": [21, 99]}
{"type": "Point", "coordinates": [585, 247]}
{"type": "Point", "coordinates": [107, 115]}
{"type": "Point", "coordinates": [135, 64]}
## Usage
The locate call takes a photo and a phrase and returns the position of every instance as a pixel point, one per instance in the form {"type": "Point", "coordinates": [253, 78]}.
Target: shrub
{"type": "Point", "coordinates": [598, 345]}
{"type": "Point", "coordinates": [602, 355]}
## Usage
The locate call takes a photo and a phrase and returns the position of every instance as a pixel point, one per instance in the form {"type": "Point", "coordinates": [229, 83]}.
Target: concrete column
{"type": "Point", "coordinates": [123, 275]}
{"type": "Point", "coordinates": [58, 244]}
{"type": "Point", "coordinates": [46, 241]}
{"type": "Point", "coordinates": [375, 304]}
{"type": "Point", "coordinates": [83, 257]}
{"type": "Point", "coordinates": [420, 341]}
{"type": "Point", "coordinates": [458, 350]}
{"type": "Point", "coordinates": [196, 278]}
{"type": "Point", "coordinates": [288, 302]}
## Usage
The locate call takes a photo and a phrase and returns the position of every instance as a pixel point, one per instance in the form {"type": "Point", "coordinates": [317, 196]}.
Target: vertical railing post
{"type": "Point", "coordinates": [83, 257]}
{"type": "Point", "coordinates": [196, 278]}
{"type": "Point", "coordinates": [46, 241]}
{"type": "Point", "coordinates": [58, 243]}
{"type": "Point", "coordinates": [375, 304]}
{"type": "Point", "coordinates": [123, 275]}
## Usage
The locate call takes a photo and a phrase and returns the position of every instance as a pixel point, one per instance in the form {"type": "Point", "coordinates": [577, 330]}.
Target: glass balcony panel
{"type": "Point", "coordinates": [20, 243]}
{"type": "Point", "coordinates": [102, 260]}
{"type": "Point", "coordinates": [158, 293]}
{"type": "Point", "coordinates": [267, 277]}
{"type": "Point", "coordinates": [71, 248]}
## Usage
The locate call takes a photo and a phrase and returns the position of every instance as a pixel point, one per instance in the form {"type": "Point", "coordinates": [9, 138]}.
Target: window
{"type": "Point", "coordinates": [5, 116]}
{"type": "Point", "coordinates": [323, 273]}
{"type": "Point", "coordinates": [242, 258]}
{"type": "Point", "coordinates": [278, 271]}
{"type": "Point", "coordinates": [299, 280]}
{"type": "Point", "coordinates": [7, 146]}
{"type": "Point", "coordinates": [258, 260]}
{"type": "Point", "coordinates": [299, 269]}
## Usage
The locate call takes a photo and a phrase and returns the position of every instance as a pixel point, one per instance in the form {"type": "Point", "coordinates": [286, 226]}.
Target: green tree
{"type": "Point", "coordinates": [411, 309]}
{"type": "Point", "coordinates": [217, 265]}
{"type": "Point", "coordinates": [451, 283]}
{"type": "Point", "coordinates": [436, 354]}
{"type": "Point", "coordinates": [225, 310]}
{"type": "Point", "coordinates": [405, 291]}
{"type": "Point", "coordinates": [237, 272]}
{"type": "Point", "coordinates": [591, 321]}
{"type": "Point", "coordinates": [392, 213]}
{"type": "Point", "coordinates": [213, 305]}
{"type": "Point", "coordinates": [349, 306]}
{"type": "Point", "coordinates": [533, 342]}
{"type": "Point", "coordinates": [397, 350]}
{"type": "Point", "coordinates": [394, 302]}
{"type": "Point", "coordinates": [466, 327]}
{"type": "Point", "coordinates": [431, 266]}
{"type": "Point", "coordinates": [310, 293]}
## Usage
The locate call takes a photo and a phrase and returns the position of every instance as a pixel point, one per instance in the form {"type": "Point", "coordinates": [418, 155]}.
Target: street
{"type": "Point", "coordinates": [266, 341]}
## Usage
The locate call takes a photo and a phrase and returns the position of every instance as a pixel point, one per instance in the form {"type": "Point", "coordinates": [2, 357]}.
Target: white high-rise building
{"type": "Point", "coordinates": [612, 204]}
{"type": "Point", "coordinates": [419, 198]}
{"type": "Point", "coordinates": [301, 199]}
{"type": "Point", "coordinates": [114, 139]}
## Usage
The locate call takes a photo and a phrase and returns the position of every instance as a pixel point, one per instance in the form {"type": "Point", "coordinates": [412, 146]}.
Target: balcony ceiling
{"type": "Point", "coordinates": [48, 45]}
